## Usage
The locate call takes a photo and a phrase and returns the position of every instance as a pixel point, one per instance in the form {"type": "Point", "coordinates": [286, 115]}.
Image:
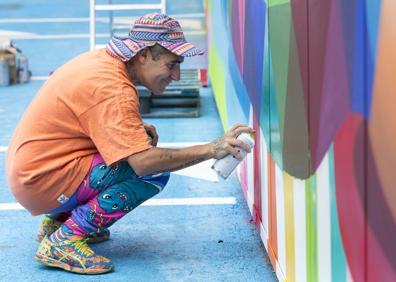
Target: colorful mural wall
{"type": "Point", "coordinates": [316, 79]}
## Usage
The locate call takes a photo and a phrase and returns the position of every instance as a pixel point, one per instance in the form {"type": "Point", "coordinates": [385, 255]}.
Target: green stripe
{"type": "Point", "coordinates": [217, 75]}
{"type": "Point", "coordinates": [311, 229]}
{"type": "Point", "coordinates": [338, 261]}
{"type": "Point", "coordinates": [272, 3]}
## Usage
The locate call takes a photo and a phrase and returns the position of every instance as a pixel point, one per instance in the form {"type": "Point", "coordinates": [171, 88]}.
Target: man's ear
{"type": "Point", "coordinates": [143, 55]}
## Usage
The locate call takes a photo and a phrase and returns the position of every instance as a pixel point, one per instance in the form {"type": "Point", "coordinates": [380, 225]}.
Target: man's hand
{"type": "Point", "coordinates": [226, 144]}
{"type": "Point", "coordinates": [152, 132]}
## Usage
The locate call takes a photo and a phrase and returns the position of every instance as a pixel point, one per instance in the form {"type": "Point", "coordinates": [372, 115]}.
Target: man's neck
{"type": "Point", "coordinates": [132, 72]}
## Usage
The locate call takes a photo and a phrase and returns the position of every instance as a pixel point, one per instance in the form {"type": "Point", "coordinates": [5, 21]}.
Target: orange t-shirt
{"type": "Point", "coordinates": [87, 106]}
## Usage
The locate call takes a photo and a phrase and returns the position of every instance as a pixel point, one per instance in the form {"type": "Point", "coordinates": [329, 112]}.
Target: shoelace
{"type": "Point", "coordinates": [82, 247]}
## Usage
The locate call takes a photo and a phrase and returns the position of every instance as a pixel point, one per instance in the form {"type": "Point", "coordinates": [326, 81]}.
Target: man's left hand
{"type": "Point", "coordinates": [150, 129]}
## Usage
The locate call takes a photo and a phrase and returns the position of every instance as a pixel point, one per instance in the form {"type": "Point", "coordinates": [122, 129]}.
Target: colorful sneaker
{"type": "Point", "coordinates": [72, 254]}
{"type": "Point", "coordinates": [50, 225]}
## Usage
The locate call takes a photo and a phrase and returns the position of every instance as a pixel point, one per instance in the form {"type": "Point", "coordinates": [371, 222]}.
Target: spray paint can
{"type": "Point", "coordinates": [4, 72]}
{"type": "Point", "coordinates": [23, 69]}
{"type": "Point", "coordinates": [225, 166]}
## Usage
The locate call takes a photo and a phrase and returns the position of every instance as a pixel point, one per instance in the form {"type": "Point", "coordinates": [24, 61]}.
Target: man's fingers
{"type": "Point", "coordinates": [244, 129]}
{"type": "Point", "coordinates": [235, 126]}
{"type": "Point", "coordinates": [240, 144]}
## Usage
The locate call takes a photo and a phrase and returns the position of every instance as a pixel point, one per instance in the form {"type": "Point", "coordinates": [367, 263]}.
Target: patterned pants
{"type": "Point", "coordinates": [106, 194]}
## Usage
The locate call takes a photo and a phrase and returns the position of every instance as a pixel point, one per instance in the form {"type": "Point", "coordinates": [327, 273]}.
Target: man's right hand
{"type": "Point", "coordinates": [226, 144]}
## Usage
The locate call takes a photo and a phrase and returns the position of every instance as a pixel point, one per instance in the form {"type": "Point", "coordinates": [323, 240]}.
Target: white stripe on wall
{"type": "Point", "coordinates": [250, 167]}
{"type": "Point", "coordinates": [300, 247]}
{"type": "Point", "coordinates": [348, 277]}
{"type": "Point", "coordinates": [264, 183]}
{"type": "Point", "coordinates": [324, 232]}
{"type": "Point", "coordinates": [280, 218]}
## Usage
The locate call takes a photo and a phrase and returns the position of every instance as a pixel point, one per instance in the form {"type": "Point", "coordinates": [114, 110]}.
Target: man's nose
{"type": "Point", "coordinates": [175, 74]}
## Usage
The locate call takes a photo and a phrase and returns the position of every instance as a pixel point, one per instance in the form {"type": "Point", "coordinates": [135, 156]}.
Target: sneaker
{"type": "Point", "coordinates": [72, 254]}
{"type": "Point", "coordinates": [50, 225]}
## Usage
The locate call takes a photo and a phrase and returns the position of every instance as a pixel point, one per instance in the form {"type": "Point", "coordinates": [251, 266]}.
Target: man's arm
{"type": "Point", "coordinates": [156, 160]}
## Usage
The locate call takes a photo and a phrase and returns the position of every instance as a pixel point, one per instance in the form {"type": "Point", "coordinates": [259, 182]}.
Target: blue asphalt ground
{"type": "Point", "coordinates": [169, 242]}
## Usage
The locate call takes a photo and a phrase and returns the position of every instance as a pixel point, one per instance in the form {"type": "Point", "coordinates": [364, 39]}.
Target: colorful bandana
{"type": "Point", "coordinates": [149, 30]}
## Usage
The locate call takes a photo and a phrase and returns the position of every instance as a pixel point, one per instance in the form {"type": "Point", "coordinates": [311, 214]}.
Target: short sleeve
{"type": "Point", "coordinates": [115, 126]}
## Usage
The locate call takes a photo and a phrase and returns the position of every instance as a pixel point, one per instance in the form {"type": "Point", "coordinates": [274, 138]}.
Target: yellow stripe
{"type": "Point", "coordinates": [289, 226]}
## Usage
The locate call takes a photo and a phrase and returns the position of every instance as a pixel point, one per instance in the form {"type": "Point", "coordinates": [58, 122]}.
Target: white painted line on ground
{"type": "Point", "coordinates": [178, 145]}
{"type": "Point", "coordinates": [26, 36]}
{"type": "Point", "coordinates": [10, 206]}
{"type": "Point", "coordinates": [202, 171]}
{"type": "Point", "coordinates": [78, 20]}
{"type": "Point", "coordinates": [3, 149]}
{"type": "Point", "coordinates": [156, 202]}
{"type": "Point", "coordinates": [191, 201]}
{"type": "Point", "coordinates": [14, 34]}
{"type": "Point", "coordinates": [39, 77]}
{"type": "Point", "coordinates": [45, 20]}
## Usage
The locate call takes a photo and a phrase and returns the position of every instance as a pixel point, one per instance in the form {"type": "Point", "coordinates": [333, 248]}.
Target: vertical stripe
{"type": "Point", "coordinates": [273, 236]}
{"type": "Point", "coordinates": [250, 174]}
{"type": "Point", "coordinates": [289, 226]}
{"type": "Point", "coordinates": [299, 230]}
{"type": "Point", "coordinates": [348, 275]}
{"type": "Point", "coordinates": [280, 210]}
{"type": "Point", "coordinates": [256, 172]}
{"type": "Point", "coordinates": [264, 182]}
{"type": "Point", "coordinates": [311, 229]}
{"type": "Point", "coordinates": [324, 233]}
{"type": "Point", "coordinates": [338, 261]}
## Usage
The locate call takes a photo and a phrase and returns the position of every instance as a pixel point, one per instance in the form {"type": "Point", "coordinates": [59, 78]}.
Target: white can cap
{"type": "Point", "coordinates": [246, 138]}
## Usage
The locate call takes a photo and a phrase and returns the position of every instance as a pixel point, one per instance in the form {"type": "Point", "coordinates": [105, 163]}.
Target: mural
{"type": "Point", "coordinates": [315, 79]}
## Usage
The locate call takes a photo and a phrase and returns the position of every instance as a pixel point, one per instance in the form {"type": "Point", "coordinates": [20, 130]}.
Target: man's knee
{"type": "Point", "coordinates": [159, 180]}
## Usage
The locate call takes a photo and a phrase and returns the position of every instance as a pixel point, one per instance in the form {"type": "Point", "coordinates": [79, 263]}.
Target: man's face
{"type": "Point", "coordinates": [157, 74]}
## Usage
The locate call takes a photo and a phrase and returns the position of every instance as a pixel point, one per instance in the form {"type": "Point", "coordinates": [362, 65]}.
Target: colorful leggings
{"type": "Point", "coordinates": [106, 194]}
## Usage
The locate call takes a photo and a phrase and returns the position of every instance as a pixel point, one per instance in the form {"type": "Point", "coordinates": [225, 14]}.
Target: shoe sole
{"type": "Point", "coordinates": [55, 263]}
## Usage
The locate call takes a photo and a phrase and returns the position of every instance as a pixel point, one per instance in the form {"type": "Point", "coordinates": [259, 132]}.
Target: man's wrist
{"type": "Point", "coordinates": [209, 151]}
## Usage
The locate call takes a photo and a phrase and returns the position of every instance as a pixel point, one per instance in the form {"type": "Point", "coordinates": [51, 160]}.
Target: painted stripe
{"type": "Point", "coordinates": [338, 260]}
{"type": "Point", "coordinates": [311, 229]}
{"type": "Point", "coordinates": [300, 230]}
{"type": "Point", "coordinates": [257, 170]}
{"type": "Point", "coordinates": [348, 275]}
{"type": "Point", "coordinates": [250, 170]}
{"type": "Point", "coordinates": [156, 202]}
{"type": "Point", "coordinates": [324, 221]}
{"type": "Point", "coordinates": [289, 226]}
{"type": "Point", "coordinates": [264, 184]}
{"type": "Point", "coordinates": [273, 235]}
{"type": "Point", "coordinates": [280, 218]}
{"type": "Point", "coordinates": [3, 149]}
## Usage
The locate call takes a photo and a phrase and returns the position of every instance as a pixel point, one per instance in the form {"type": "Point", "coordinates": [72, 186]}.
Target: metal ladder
{"type": "Point", "coordinates": [93, 8]}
